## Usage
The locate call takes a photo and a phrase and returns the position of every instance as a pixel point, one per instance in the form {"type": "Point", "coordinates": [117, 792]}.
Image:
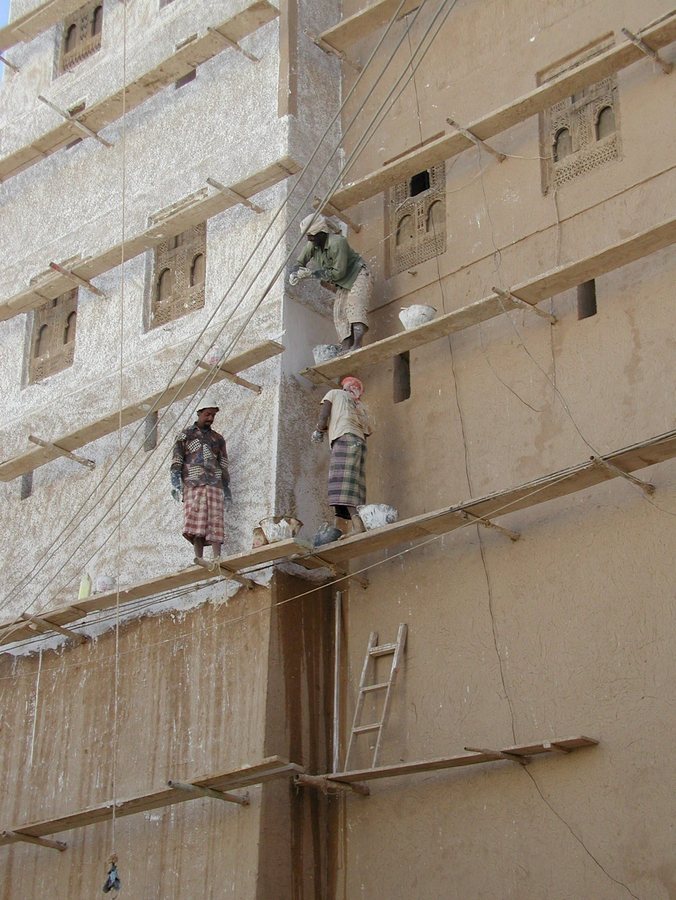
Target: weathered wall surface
{"type": "Point", "coordinates": [564, 632]}
{"type": "Point", "coordinates": [191, 702]}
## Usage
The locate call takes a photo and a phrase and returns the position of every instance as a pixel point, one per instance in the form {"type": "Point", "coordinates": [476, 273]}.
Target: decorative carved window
{"type": "Point", "coordinates": [81, 35]}
{"type": "Point", "coordinates": [53, 337]}
{"type": "Point", "coordinates": [179, 272]}
{"type": "Point", "coordinates": [415, 214]}
{"type": "Point", "coordinates": [579, 133]}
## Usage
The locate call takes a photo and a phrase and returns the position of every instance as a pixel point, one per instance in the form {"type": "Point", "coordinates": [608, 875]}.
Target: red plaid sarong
{"type": "Point", "coordinates": [203, 513]}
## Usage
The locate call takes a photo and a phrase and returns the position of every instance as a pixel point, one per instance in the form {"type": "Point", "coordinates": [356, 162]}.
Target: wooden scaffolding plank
{"type": "Point", "coordinates": [193, 53]}
{"type": "Point", "coordinates": [618, 57]}
{"type": "Point", "coordinates": [196, 208]}
{"type": "Point", "coordinates": [533, 291]}
{"type": "Point", "coordinates": [452, 762]}
{"type": "Point", "coordinates": [501, 503]}
{"type": "Point", "coordinates": [35, 21]}
{"type": "Point", "coordinates": [358, 26]}
{"type": "Point", "coordinates": [19, 630]}
{"type": "Point", "coordinates": [179, 390]}
{"type": "Point", "coordinates": [270, 768]}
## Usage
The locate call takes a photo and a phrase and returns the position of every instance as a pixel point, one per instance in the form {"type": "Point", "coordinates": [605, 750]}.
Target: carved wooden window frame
{"type": "Point", "coordinates": [578, 115]}
{"type": "Point", "coordinates": [424, 242]}
{"type": "Point", "coordinates": [87, 39]}
{"type": "Point", "coordinates": [174, 264]}
{"type": "Point", "coordinates": [52, 339]}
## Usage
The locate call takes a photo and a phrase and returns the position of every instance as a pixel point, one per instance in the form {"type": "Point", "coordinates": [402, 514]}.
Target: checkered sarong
{"type": "Point", "coordinates": [203, 513]}
{"type": "Point", "coordinates": [347, 471]}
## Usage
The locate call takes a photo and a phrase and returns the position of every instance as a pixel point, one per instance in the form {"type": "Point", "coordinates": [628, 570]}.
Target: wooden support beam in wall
{"type": "Point", "coordinates": [529, 292]}
{"type": "Point", "coordinates": [184, 60]}
{"type": "Point", "coordinates": [570, 82]}
{"type": "Point", "coordinates": [179, 217]}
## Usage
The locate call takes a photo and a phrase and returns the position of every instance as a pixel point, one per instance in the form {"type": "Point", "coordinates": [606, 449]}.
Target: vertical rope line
{"type": "Point", "coordinates": [116, 675]}
{"type": "Point", "coordinates": [35, 708]}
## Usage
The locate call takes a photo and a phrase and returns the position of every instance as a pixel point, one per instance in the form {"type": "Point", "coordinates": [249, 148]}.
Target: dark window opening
{"type": "Point", "coordinates": [402, 377]}
{"type": "Point", "coordinates": [419, 183]}
{"type": "Point", "coordinates": [97, 20]}
{"type": "Point", "coordinates": [197, 270]}
{"type": "Point", "coordinates": [150, 439]}
{"type": "Point", "coordinates": [605, 123]}
{"type": "Point", "coordinates": [26, 485]}
{"type": "Point", "coordinates": [69, 330]}
{"type": "Point", "coordinates": [71, 39]}
{"type": "Point", "coordinates": [586, 299]}
{"type": "Point", "coordinates": [563, 144]}
{"type": "Point", "coordinates": [185, 79]}
{"type": "Point", "coordinates": [164, 286]}
{"type": "Point", "coordinates": [41, 341]}
{"type": "Point", "coordinates": [405, 232]}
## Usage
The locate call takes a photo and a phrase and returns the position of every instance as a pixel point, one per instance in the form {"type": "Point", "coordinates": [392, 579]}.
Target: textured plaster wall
{"type": "Point", "coordinates": [80, 202]}
{"type": "Point", "coordinates": [566, 631]}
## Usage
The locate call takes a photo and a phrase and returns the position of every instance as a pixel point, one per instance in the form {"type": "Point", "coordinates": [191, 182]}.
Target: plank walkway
{"type": "Point", "coordinates": [533, 291]}
{"type": "Point", "coordinates": [179, 217]}
{"type": "Point", "coordinates": [657, 36]}
{"type": "Point", "coordinates": [271, 767]}
{"type": "Point", "coordinates": [33, 459]}
{"type": "Point", "coordinates": [189, 56]}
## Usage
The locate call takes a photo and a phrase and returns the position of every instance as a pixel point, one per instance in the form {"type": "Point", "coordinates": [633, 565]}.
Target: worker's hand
{"type": "Point", "coordinates": [298, 274]}
{"type": "Point", "coordinates": [320, 274]}
{"type": "Point", "coordinates": [227, 497]}
{"type": "Point", "coordinates": [317, 436]}
{"type": "Point", "coordinates": [177, 494]}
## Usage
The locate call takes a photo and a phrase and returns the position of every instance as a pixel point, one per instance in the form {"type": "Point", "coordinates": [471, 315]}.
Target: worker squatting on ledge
{"type": "Point", "coordinates": [328, 257]}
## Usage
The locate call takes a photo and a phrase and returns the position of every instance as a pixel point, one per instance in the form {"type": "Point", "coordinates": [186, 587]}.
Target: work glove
{"type": "Point", "coordinates": [298, 274]}
{"type": "Point", "coordinates": [227, 497]}
{"type": "Point", "coordinates": [317, 436]}
{"type": "Point", "coordinates": [177, 494]}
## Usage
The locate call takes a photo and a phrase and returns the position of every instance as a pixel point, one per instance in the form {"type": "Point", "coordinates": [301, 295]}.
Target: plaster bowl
{"type": "Point", "coordinates": [279, 528]}
{"type": "Point", "coordinates": [103, 584]}
{"type": "Point", "coordinates": [375, 515]}
{"type": "Point", "coordinates": [214, 356]}
{"type": "Point", "coordinates": [259, 539]}
{"type": "Point", "coordinates": [418, 314]}
{"type": "Point", "coordinates": [324, 352]}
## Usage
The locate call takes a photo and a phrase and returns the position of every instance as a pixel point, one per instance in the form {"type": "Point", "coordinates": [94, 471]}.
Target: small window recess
{"type": "Point", "coordinates": [586, 299]}
{"type": "Point", "coordinates": [150, 439]}
{"type": "Point", "coordinates": [185, 79]}
{"type": "Point", "coordinates": [401, 381]}
{"type": "Point", "coordinates": [26, 485]}
{"type": "Point", "coordinates": [419, 183]}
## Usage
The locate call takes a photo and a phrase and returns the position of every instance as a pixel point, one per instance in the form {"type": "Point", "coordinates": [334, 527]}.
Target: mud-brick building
{"type": "Point", "coordinates": [471, 702]}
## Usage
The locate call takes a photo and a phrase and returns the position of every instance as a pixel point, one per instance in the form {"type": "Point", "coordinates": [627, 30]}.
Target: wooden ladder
{"type": "Point", "coordinates": [367, 685]}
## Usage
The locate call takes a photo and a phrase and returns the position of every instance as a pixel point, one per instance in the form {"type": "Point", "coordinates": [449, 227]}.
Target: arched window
{"type": "Point", "coordinates": [69, 330]}
{"type": "Point", "coordinates": [41, 341]}
{"type": "Point", "coordinates": [71, 39]}
{"type": "Point", "coordinates": [435, 218]}
{"type": "Point", "coordinates": [97, 20]}
{"type": "Point", "coordinates": [197, 270]}
{"type": "Point", "coordinates": [405, 231]}
{"type": "Point", "coordinates": [164, 285]}
{"type": "Point", "coordinates": [563, 144]}
{"type": "Point", "coordinates": [605, 123]}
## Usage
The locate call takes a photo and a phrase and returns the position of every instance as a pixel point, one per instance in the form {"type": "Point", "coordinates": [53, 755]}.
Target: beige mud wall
{"type": "Point", "coordinates": [567, 631]}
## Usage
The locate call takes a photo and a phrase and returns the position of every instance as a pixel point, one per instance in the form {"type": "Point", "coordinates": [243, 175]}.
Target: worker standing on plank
{"type": "Point", "coordinates": [199, 476]}
{"type": "Point", "coordinates": [343, 414]}
{"type": "Point", "coordinates": [328, 257]}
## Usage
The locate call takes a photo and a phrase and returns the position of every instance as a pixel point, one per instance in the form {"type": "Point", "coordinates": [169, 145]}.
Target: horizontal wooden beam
{"type": "Point", "coordinates": [35, 21]}
{"type": "Point", "coordinates": [61, 451]}
{"type": "Point", "coordinates": [451, 762]}
{"type": "Point", "coordinates": [17, 629]}
{"type": "Point", "coordinates": [134, 412]}
{"type": "Point", "coordinates": [46, 626]}
{"type": "Point", "coordinates": [184, 60]}
{"type": "Point", "coordinates": [270, 768]}
{"type": "Point", "coordinates": [565, 85]}
{"type": "Point", "coordinates": [358, 26]}
{"type": "Point", "coordinates": [502, 503]}
{"type": "Point", "coordinates": [15, 837]}
{"type": "Point", "coordinates": [241, 799]}
{"type": "Point", "coordinates": [530, 292]}
{"type": "Point", "coordinates": [191, 211]}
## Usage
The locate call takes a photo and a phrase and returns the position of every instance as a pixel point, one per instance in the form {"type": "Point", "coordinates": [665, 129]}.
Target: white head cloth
{"type": "Point", "coordinates": [316, 222]}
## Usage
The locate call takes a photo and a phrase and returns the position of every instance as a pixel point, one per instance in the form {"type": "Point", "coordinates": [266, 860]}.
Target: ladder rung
{"type": "Point", "coordinates": [360, 729]}
{"type": "Point", "coordinates": [375, 687]}
{"type": "Point", "coordinates": [383, 649]}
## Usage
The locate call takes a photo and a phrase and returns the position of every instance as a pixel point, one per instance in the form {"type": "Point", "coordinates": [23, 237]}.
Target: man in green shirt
{"type": "Point", "coordinates": [328, 257]}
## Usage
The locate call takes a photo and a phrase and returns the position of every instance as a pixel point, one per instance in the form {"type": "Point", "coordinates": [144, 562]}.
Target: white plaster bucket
{"type": "Point", "coordinates": [279, 528]}
{"type": "Point", "coordinates": [418, 314]}
{"type": "Point", "coordinates": [214, 356]}
{"type": "Point", "coordinates": [375, 515]}
{"type": "Point", "coordinates": [103, 584]}
{"type": "Point", "coordinates": [324, 352]}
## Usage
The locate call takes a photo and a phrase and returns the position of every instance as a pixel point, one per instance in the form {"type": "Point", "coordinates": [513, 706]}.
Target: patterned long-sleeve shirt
{"type": "Point", "coordinates": [200, 457]}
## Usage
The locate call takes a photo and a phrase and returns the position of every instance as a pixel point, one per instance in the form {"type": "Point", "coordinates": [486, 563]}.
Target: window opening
{"type": "Point", "coordinates": [402, 377]}
{"type": "Point", "coordinates": [41, 341]}
{"type": "Point", "coordinates": [179, 269]}
{"type": "Point", "coordinates": [150, 439]}
{"type": "Point", "coordinates": [81, 35]}
{"type": "Point", "coordinates": [53, 337]}
{"type": "Point", "coordinates": [71, 39]}
{"type": "Point", "coordinates": [185, 79]}
{"type": "Point", "coordinates": [563, 144]}
{"type": "Point", "coordinates": [97, 20]}
{"type": "Point", "coordinates": [197, 270]}
{"type": "Point", "coordinates": [419, 183]}
{"type": "Point", "coordinates": [26, 485]}
{"type": "Point", "coordinates": [69, 330]}
{"type": "Point", "coordinates": [605, 123]}
{"type": "Point", "coordinates": [586, 299]}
